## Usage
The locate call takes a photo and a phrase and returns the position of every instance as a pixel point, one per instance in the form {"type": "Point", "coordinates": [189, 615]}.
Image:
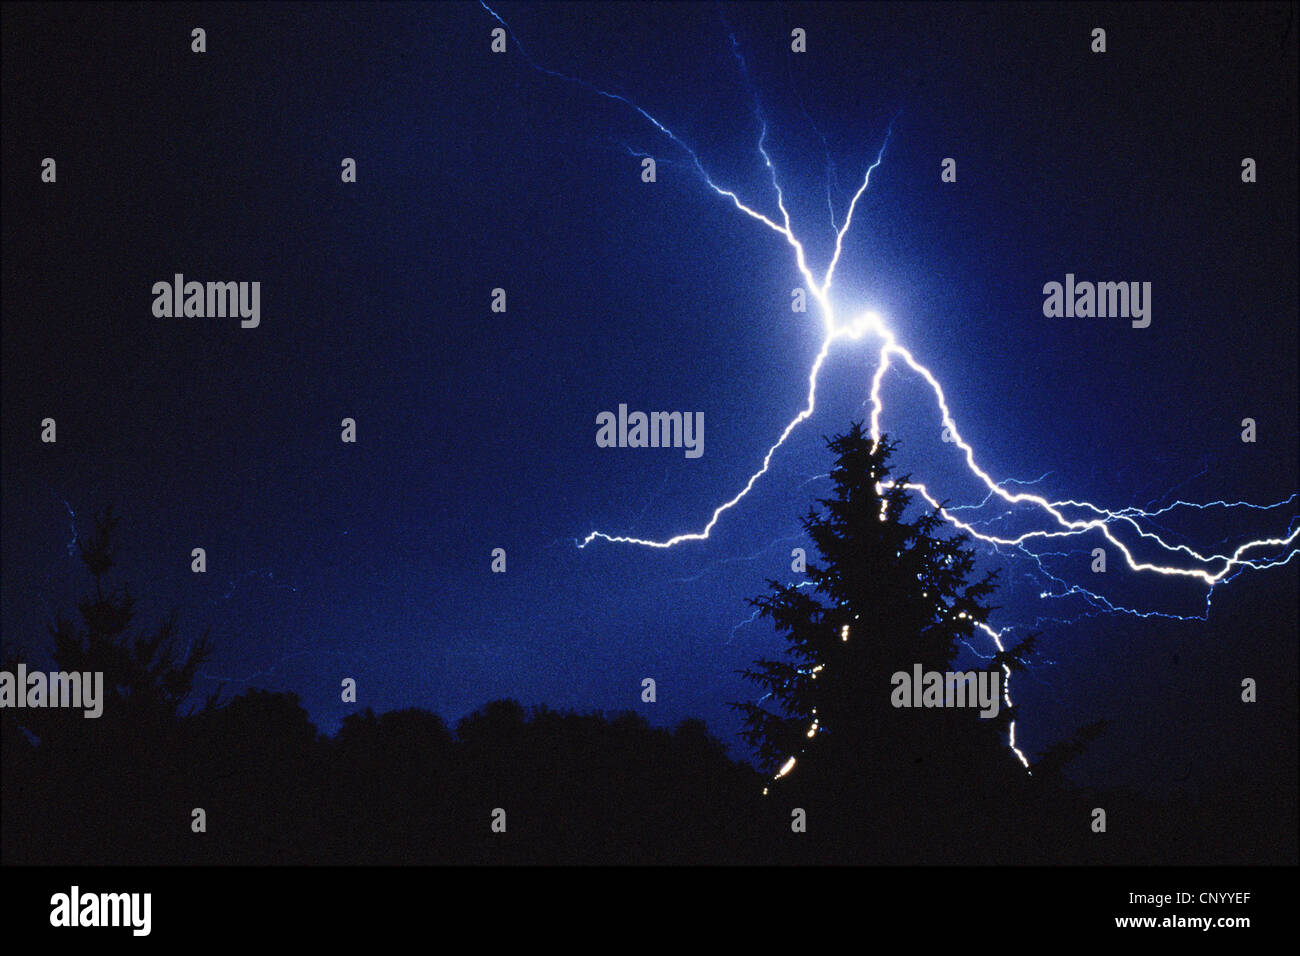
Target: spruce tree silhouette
{"type": "Point", "coordinates": [102, 779]}
{"type": "Point", "coordinates": [879, 782]}
{"type": "Point", "coordinates": [875, 783]}
{"type": "Point", "coordinates": [146, 675]}
{"type": "Point", "coordinates": [399, 787]}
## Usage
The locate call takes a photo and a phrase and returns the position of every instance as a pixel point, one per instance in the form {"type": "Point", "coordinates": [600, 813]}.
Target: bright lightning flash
{"type": "Point", "coordinates": [1067, 518]}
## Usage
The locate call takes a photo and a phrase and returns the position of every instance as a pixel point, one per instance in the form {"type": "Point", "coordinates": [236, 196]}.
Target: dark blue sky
{"type": "Point", "coordinates": [477, 430]}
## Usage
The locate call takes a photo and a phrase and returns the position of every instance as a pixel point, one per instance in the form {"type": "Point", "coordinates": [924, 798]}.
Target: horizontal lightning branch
{"type": "Point", "coordinates": [1209, 569]}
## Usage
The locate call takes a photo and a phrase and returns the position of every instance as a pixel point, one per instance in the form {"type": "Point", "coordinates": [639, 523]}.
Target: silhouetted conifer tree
{"type": "Point", "coordinates": [147, 675]}
{"type": "Point", "coordinates": [891, 591]}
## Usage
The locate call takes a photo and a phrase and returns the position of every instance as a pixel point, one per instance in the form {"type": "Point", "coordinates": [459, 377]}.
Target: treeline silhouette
{"type": "Point", "coordinates": [392, 788]}
{"type": "Point", "coordinates": [866, 783]}
{"type": "Point", "coordinates": [402, 788]}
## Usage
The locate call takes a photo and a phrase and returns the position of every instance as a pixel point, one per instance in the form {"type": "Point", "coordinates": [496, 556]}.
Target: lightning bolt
{"type": "Point", "coordinates": [1062, 518]}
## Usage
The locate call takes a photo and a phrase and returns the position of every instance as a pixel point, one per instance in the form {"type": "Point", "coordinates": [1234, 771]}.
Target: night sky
{"type": "Point", "coordinates": [476, 430]}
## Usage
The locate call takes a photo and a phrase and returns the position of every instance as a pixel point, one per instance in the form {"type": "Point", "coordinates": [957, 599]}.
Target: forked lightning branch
{"type": "Point", "coordinates": [1066, 518]}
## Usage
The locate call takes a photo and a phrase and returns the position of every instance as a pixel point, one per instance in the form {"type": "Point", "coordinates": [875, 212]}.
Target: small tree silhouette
{"type": "Point", "coordinates": [891, 592]}
{"type": "Point", "coordinates": [103, 789]}
{"type": "Point", "coordinates": [147, 676]}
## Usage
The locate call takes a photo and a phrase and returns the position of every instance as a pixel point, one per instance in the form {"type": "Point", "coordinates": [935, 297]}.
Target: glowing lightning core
{"type": "Point", "coordinates": [1209, 569]}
